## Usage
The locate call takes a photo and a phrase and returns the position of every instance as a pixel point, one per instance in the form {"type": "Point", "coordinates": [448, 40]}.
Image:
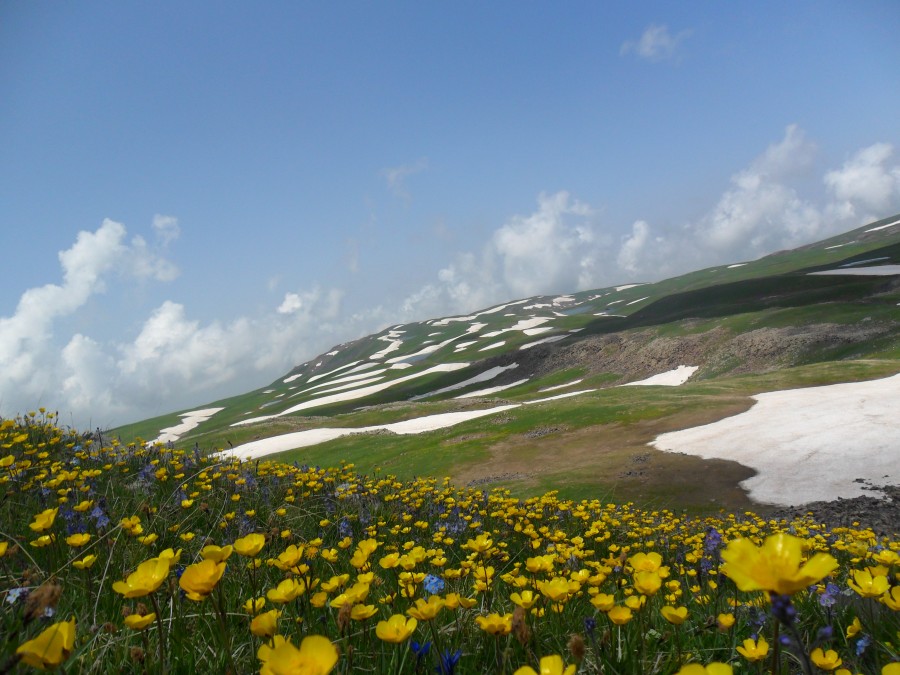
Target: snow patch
{"type": "Point", "coordinates": [807, 444]}
{"type": "Point", "coordinates": [492, 390]}
{"type": "Point", "coordinates": [672, 378]}
{"type": "Point", "coordinates": [189, 420]}
{"type": "Point", "coordinates": [876, 271]}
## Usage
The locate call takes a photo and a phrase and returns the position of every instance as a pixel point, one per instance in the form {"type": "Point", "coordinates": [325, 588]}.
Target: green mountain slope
{"type": "Point", "coordinates": [775, 323]}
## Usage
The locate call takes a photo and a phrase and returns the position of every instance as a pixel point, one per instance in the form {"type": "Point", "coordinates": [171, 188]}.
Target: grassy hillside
{"type": "Point", "coordinates": [759, 326]}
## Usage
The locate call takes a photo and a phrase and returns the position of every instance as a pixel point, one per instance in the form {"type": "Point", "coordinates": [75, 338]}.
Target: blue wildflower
{"type": "Point", "coordinates": [447, 664]}
{"type": "Point", "coordinates": [420, 650]}
{"type": "Point", "coordinates": [828, 598]}
{"type": "Point", "coordinates": [434, 584]}
{"type": "Point", "coordinates": [862, 643]}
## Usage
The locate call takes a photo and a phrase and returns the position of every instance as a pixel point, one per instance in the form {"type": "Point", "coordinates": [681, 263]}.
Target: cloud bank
{"type": "Point", "coordinates": [174, 361]}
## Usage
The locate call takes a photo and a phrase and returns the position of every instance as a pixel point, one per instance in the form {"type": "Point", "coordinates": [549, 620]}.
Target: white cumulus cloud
{"type": "Point", "coordinates": [656, 43]}
{"type": "Point", "coordinates": [866, 186]}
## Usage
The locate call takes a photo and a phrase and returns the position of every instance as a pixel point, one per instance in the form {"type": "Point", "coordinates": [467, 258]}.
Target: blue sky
{"type": "Point", "coordinates": [195, 197]}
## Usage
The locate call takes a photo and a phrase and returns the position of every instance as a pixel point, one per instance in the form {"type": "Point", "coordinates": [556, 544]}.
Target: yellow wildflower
{"type": "Point", "coordinates": [827, 661]}
{"type": "Point", "coordinates": [776, 566]}
{"type": "Point", "coordinates": [550, 665]}
{"type": "Point", "coordinates": [316, 656]}
{"type": "Point", "coordinates": [144, 580]}
{"type": "Point", "coordinates": [49, 649]}
{"type": "Point", "coordinates": [396, 629]}
{"type": "Point", "coordinates": [754, 651]}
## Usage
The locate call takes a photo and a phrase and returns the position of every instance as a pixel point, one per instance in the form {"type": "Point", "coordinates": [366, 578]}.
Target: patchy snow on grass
{"type": "Point", "coordinates": [552, 338]}
{"type": "Point", "coordinates": [881, 227]}
{"type": "Point", "coordinates": [731, 267]}
{"type": "Point", "coordinates": [807, 444]}
{"type": "Point", "coordinates": [876, 271]}
{"type": "Point", "coordinates": [334, 386]}
{"type": "Point", "coordinates": [671, 378]}
{"type": "Point", "coordinates": [342, 380]}
{"type": "Point", "coordinates": [189, 420]}
{"type": "Point", "coordinates": [627, 286]}
{"type": "Point", "coordinates": [634, 302]}
{"type": "Point", "coordinates": [488, 374]}
{"type": "Point", "coordinates": [425, 351]}
{"type": "Point", "coordinates": [492, 390]}
{"type": "Point", "coordinates": [522, 325]}
{"type": "Point", "coordinates": [332, 372]}
{"type": "Point", "coordinates": [537, 331]}
{"type": "Point", "coordinates": [857, 263]}
{"type": "Point", "coordinates": [495, 345]}
{"type": "Point", "coordinates": [291, 378]}
{"type": "Point", "coordinates": [568, 394]}
{"type": "Point", "coordinates": [356, 393]}
{"type": "Point", "coordinates": [464, 345]}
{"type": "Point", "coordinates": [560, 386]}
{"type": "Point", "coordinates": [304, 439]}
{"type": "Point", "coordinates": [394, 342]}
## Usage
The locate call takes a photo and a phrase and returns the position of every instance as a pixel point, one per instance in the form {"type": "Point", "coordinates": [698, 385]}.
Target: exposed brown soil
{"type": "Point", "coordinates": [617, 458]}
{"type": "Point", "coordinates": [640, 353]}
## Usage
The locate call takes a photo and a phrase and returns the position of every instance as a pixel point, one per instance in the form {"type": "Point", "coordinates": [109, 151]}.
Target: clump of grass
{"type": "Point", "coordinates": [140, 558]}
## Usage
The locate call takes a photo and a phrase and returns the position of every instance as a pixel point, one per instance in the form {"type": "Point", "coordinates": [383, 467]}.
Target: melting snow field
{"type": "Point", "coordinates": [876, 271]}
{"type": "Point", "coordinates": [303, 439]}
{"type": "Point", "coordinates": [189, 420]}
{"type": "Point", "coordinates": [807, 444]}
{"type": "Point", "coordinates": [672, 378]}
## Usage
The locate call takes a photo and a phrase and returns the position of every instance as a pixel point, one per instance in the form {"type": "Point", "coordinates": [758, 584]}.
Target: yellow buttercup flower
{"type": "Point", "coordinates": [495, 624]}
{"type": "Point", "coordinates": [525, 599]}
{"type": "Point", "coordinates": [603, 601]}
{"type": "Point", "coordinates": [426, 610]}
{"type": "Point", "coordinates": [266, 624]}
{"type": "Point", "coordinates": [86, 562]}
{"type": "Point", "coordinates": [316, 656]}
{"type": "Point", "coordinates": [455, 601]}
{"type": "Point", "coordinates": [674, 615]}
{"type": "Point", "coordinates": [827, 661]}
{"type": "Point", "coordinates": [725, 621]}
{"type": "Point", "coordinates": [892, 599]}
{"type": "Point", "coordinates": [362, 612]}
{"type": "Point", "coordinates": [44, 520]}
{"type": "Point", "coordinates": [4, 545]}
{"type": "Point", "coordinates": [250, 546]}
{"type": "Point", "coordinates": [138, 622]}
{"type": "Point", "coordinates": [287, 590]}
{"type": "Point", "coordinates": [148, 576]}
{"type": "Point", "coordinates": [776, 566]}
{"type": "Point", "coordinates": [199, 580]}
{"type": "Point", "coordinates": [216, 553]}
{"type": "Point", "coordinates": [646, 562]}
{"type": "Point", "coordinates": [714, 668]}
{"type": "Point", "coordinates": [854, 628]}
{"type": "Point", "coordinates": [868, 585]}
{"type": "Point", "coordinates": [396, 629]}
{"type": "Point", "coordinates": [78, 540]}
{"type": "Point", "coordinates": [254, 605]}
{"type": "Point", "coordinates": [647, 583]}
{"type": "Point", "coordinates": [49, 649]}
{"type": "Point", "coordinates": [619, 615]}
{"type": "Point", "coordinates": [550, 665]}
{"type": "Point", "coordinates": [754, 651]}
